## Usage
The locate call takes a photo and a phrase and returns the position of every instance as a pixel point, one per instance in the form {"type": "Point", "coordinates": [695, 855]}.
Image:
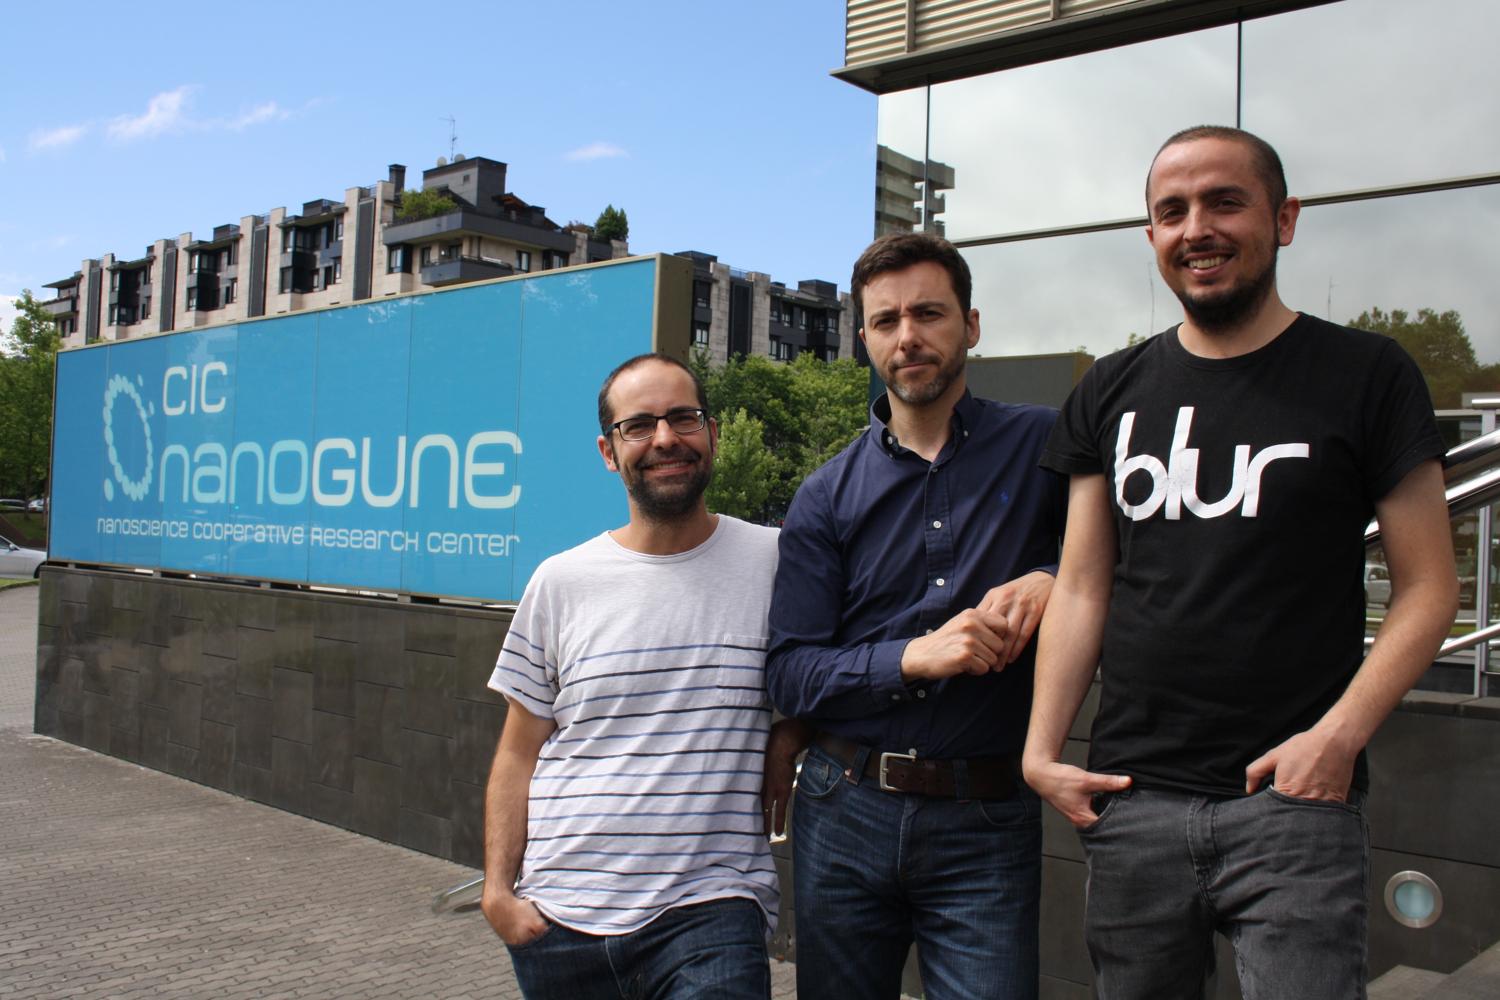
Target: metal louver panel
{"type": "Point", "coordinates": [944, 22]}
{"type": "Point", "coordinates": [1069, 8]}
{"type": "Point", "coordinates": [882, 29]}
{"type": "Point", "coordinates": [874, 29]}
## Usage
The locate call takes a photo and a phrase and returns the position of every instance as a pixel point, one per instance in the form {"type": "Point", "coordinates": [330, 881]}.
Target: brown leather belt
{"type": "Point", "coordinates": [968, 778]}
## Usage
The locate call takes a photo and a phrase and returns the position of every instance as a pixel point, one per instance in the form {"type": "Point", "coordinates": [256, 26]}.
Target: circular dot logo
{"type": "Point", "coordinates": [135, 489]}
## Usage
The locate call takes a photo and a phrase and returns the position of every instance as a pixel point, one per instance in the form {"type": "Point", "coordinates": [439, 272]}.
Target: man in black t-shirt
{"type": "Point", "coordinates": [1222, 474]}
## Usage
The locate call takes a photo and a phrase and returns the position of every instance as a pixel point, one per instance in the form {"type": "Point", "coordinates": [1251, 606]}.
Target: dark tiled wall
{"type": "Point", "coordinates": [370, 715]}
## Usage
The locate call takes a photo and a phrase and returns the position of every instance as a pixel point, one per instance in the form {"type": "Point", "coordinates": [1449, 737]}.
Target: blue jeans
{"type": "Point", "coordinates": [875, 870]}
{"type": "Point", "coordinates": [1285, 879]}
{"type": "Point", "coordinates": [706, 951]}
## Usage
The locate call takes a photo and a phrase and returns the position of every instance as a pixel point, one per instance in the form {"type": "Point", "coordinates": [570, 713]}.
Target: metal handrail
{"type": "Point", "coordinates": [1460, 643]}
{"type": "Point", "coordinates": [457, 897]}
{"type": "Point", "coordinates": [1471, 478]}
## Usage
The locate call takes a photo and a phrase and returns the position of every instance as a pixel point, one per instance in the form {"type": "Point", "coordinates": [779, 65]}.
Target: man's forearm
{"type": "Point", "coordinates": [1072, 630]}
{"type": "Point", "coordinates": [813, 682]}
{"type": "Point", "coordinates": [505, 800]}
{"type": "Point", "coordinates": [1424, 600]}
{"type": "Point", "coordinates": [1067, 656]}
{"type": "Point", "coordinates": [1405, 645]}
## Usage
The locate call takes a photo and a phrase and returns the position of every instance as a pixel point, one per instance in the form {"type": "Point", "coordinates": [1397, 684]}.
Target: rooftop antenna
{"type": "Point", "coordinates": [1331, 286]}
{"type": "Point", "coordinates": [452, 133]}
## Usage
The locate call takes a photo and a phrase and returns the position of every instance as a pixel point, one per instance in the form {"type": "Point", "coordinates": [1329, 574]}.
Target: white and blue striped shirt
{"type": "Point", "coordinates": [647, 796]}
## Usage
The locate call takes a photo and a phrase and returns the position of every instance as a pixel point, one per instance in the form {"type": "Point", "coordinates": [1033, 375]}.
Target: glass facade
{"type": "Point", "coordinates": [1038, 172]}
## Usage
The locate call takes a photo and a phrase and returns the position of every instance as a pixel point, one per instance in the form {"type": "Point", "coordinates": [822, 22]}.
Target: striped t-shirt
{"type": "Point", "coordinates": [647, 796]}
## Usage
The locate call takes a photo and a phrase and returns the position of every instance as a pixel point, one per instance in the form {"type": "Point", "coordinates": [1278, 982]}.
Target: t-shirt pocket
{"type": "Point", "coordinates": [742, 670]}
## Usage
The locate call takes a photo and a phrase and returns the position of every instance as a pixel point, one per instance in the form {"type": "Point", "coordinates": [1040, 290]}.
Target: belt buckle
{"type": "Point", "coordinates": [885, 760]}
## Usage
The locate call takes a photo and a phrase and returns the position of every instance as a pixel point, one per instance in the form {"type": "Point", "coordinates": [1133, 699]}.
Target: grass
{"type": "Point", "coordinates": [5, 582]}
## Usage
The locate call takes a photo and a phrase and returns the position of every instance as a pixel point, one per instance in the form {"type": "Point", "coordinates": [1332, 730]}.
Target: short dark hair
{"type": "Point", "coordinates": [606, 415]}
{"type": "Point", "coordinates": [897, 252]}
{"type": "Point", "coordinates": [1267, 163]}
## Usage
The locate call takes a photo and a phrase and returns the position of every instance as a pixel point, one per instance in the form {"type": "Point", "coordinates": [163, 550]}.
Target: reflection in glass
{"type": "Point", "coordinates": [1370, 93]}
{"type": "Point", "coordinates": [1069, 141]}
{"type": "Point", "coordinates": [900, 174]}
{"type": "Point", "coordinates": [1046, 296]}
{"type": "Point", "coordinates": [1424, 251]}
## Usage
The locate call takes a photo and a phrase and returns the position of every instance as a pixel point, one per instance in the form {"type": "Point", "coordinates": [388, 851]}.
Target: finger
{"type": "Point", "coordinates": [1030, 618]}
{"type": "Point", "coordinates": [1015, 641]}
{"type": "Point", "coordinates": [1259, 770]}
{"type": "Point", "coordinates": [778, 817]}
{"type": "Point", "coordinates": [1108, 782]}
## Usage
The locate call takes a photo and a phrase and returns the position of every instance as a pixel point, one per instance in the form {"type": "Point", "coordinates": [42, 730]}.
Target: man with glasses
{"type": "Point", "coordinates": [1222, 476]}
{"type": "Point", "coordinates": [625, 849]}
{"type": "Point", "coordinates": [914, 569]}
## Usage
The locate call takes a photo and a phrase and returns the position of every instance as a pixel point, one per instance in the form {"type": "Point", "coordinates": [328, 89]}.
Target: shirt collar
{"type": "Point", "coordinates": [965, 418]}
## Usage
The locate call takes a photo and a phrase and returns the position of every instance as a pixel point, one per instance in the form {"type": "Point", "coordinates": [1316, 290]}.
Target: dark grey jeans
{"type": "Point", "coordinates": [1284, 879]}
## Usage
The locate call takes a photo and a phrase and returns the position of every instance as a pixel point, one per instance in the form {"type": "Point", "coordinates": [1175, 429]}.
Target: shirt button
{"type": "Point", "coordinates": [895, 697]}
{"type": "Point", "coordinates": [928, 632]}
{"type": "Point", "coordinates": [921, 694]}
{"type": "Point", "coordinates": [937, 524]}
{"type": "Point", "coordinates": [940, 581]}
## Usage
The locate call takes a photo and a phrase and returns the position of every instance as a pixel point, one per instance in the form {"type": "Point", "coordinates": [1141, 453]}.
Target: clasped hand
{"type": "Point", "coordinates": [983, 638]}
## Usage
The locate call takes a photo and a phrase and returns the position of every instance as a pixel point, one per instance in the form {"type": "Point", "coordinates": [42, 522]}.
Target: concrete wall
{"type": "Point", "coordinates": [366, 714]}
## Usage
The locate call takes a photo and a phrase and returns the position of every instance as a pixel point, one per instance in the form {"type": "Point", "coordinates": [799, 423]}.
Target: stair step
{"type": "Point", "coordinates": [1404, 983]}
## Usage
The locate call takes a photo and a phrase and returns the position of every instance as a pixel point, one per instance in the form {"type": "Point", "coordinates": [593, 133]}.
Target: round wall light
{"type": "Point", "coordinates": [1413, 900]}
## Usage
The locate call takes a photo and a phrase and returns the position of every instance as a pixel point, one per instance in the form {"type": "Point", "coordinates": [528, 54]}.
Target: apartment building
{"type": "Point", "coordinates": [745, 312]}
{"type": "Point", "coordinates": [330, 252]}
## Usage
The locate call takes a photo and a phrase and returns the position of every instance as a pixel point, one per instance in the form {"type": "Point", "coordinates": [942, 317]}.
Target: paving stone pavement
{"type": "Point", "coordinates": [121, 882]}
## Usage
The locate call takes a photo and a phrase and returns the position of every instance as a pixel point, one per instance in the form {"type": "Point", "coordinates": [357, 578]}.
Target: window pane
{"type": "Point", "coordinates": [1368, 93]}
{"type": "Point", "coordinates": [901, 137]}
{"type": "Point", "coordinates": [1426, 251]}
{"type": "Point", "coordinates": [1070, 141]}
{"type": "Point", "coordinates": [1091, 291]}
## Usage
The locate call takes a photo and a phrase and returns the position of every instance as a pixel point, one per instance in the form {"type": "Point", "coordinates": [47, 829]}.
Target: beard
{"type": "Point", "coordinates": [922, 393]}
{"type": "Point", "coordinates": [659, 500]}
{"type": "Point", "coordinates": [1227, 310]}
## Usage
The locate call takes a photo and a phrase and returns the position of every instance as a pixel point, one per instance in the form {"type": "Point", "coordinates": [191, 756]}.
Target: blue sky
{"type": "Point", "coordinates": [715, 125]}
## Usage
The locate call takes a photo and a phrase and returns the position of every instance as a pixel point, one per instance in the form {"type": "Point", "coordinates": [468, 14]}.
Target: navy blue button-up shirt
{"type": "Point", "coordinates": [879, 547]}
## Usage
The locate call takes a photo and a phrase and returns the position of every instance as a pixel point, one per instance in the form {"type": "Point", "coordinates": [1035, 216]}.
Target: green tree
{"type": "Point", "coordinates": [1439, 345]}
{"type": "Point", "coordinates": [427, 203]}
{"type": "Point", "coordinates": [28, 358]}
{"type": "Point", "coordinates": [833, 397]}
{"type": "Point", "coordinates": [744, 469]}
{"type": "Point", "coordinates": [805, 412]}
{"type": "Point", "coordinates": [612, 224]}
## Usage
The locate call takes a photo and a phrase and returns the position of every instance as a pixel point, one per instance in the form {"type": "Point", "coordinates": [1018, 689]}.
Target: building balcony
{"type": "Point", "coordinates": [459, 270]}
{"type": "Point", "coordinates": [470, 223]}
{"type": "Point", "coordinates": [65, 306]}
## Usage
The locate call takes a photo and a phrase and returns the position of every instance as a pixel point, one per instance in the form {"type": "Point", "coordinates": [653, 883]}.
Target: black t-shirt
{"type": "Point", "coordinates": [1240, 489]}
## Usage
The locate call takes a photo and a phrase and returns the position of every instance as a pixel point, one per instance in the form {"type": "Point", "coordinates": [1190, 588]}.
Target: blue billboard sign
{"type": "Point", "coordinates": [438, 444]}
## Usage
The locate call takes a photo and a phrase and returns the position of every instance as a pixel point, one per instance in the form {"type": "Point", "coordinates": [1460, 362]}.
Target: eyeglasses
{"type": "Point", "coordinates": [642, 426]}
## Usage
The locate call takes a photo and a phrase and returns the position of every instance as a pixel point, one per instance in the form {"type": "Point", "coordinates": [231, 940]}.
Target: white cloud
{"type": "Point", "coordinates": [596, 151]}
{"type": "Point", "coordinates": [268, 112]}
{"type": "Point", "coordinates": [55, 138]}
{"type": "Point", "coordinates": [164, 112]}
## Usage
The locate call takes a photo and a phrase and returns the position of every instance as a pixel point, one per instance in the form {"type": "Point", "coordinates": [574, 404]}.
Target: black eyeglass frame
{"type": "Point", "coordinates": [699, 415]}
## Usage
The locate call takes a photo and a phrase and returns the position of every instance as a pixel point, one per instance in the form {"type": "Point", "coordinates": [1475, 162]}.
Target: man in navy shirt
{"type": "Point", "coordinates": [914, 569]}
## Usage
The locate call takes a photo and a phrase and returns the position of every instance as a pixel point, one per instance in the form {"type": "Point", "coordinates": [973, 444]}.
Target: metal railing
{"type": "Point", "coordinates": [1471, 480]}
{"type": "Point", "coordinates": [460, 896]}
